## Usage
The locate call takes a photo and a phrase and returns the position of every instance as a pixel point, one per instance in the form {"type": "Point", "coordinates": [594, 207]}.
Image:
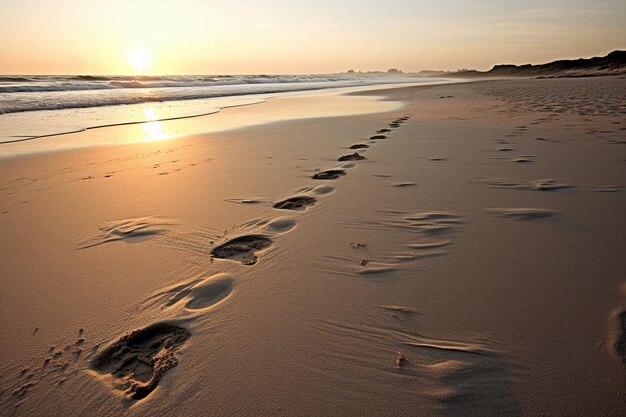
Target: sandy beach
{"type": "Point", "coordinates": [445, 250]}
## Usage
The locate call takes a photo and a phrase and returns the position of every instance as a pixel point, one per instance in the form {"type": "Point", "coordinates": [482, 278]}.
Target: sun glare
{"type": "Point", "coordinates": [153, 130]}
{"type": "Point", "coordinates": [140, 59]}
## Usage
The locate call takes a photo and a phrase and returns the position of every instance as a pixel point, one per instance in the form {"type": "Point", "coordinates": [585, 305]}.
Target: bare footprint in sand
{"type": "Point", "coordinates": [538, 185]}
{"type": "Point", "coordinates": [198, 294]}
{"type": "Point", "coordinates": [136, 363]}
{"type": "Point", "coordinates": [549, 185]}
{"type": "Point", "coordinates": [523, 213]}
{"type": "Point", "coordinates": [280, 225]}
{"type": "Point", "coordinates": [131, 230]}
{"type": "Point", "coordinates": [330, 174]}
{"type": "Point", "coordinates": [434, 222]}
{"type": "Point", "coordinates": [247, 200]}
{"type": "Point", "coordinates": [377, 137]}
{"type": "Point", "coordinates": [242, 249]}
{"type": "Point", "coordinates": [323, 189]}
{"type": "Point", "coordinates": [403, 184]}
{"type": "Point", "coordinates": [359, 146]}
{"type": "Point", "coordinates": [608, 189]}
{"type": "Point", "coordinates": [351, 157]}
{"type": "Point", "coordinates": [298, 203]}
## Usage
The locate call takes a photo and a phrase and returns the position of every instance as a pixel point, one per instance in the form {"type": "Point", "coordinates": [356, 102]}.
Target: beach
{"type": "Point", "coordinates": [441, 250]}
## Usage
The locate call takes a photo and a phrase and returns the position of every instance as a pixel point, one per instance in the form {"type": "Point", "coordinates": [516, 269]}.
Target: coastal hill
{"type": "Point", "coordinates": [611, 64]}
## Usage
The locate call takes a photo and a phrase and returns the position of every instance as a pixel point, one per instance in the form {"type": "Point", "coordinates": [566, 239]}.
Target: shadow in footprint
{"type": "Point", "coordinates": [137, 362]}
{"type": "Point", "coordinates": [523, 213]}
{"type": "Point", "coordinates": [242, 249]}
{"type": "Point", "coordinates": [403, 184]}
{"type": "Point", "coordinates": [331, 174]}
{"type": "Point", "coordinates": [359, 146]}
{"type": "Point", "coordinates": [351, 157]}
{"type": "Point", "coordinates": [298, 203]}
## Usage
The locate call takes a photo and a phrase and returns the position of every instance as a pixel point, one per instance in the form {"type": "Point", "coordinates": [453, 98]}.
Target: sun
{"type": "Point", "coordinates": [140, 59]}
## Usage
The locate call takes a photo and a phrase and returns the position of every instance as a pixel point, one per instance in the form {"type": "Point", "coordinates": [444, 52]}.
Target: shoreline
{"type": "Point", "coordinates": [367, 105]}
{"type": "Point", "coordinates": [146, 112]}
{"type": "Point", "coordinates": [465, 266]}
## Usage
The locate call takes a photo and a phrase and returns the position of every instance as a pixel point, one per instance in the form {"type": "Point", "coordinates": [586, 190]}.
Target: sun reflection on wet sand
{"type": "Point", "coordinates": [153, 131]}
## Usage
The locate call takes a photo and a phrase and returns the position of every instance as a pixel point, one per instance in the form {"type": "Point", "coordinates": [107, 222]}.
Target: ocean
{"type": "Point", "coordinates": [39, 106]}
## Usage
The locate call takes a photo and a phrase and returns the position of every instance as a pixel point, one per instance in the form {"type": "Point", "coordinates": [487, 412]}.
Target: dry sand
{"type": "Point", "coordinates": [471, 263]}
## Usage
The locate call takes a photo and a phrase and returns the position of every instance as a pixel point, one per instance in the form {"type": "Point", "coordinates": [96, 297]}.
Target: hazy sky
{"type": "Point", "coordinates": [291, 36]}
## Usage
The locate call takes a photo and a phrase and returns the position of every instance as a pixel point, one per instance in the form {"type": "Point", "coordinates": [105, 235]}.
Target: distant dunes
{"type": "Point", "coordinates": [612, 64]}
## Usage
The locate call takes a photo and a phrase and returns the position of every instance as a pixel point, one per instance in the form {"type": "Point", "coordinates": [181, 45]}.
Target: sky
{"type": "Point", "coordinates": [291, 36]}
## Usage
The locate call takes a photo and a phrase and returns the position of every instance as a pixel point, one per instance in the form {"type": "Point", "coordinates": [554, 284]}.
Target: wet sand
{"type": "Point", "coordinates": [468, 261]}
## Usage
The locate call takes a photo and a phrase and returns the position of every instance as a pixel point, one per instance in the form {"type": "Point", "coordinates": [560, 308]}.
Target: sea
{"type": "Point", "coordinates": [36, 106]}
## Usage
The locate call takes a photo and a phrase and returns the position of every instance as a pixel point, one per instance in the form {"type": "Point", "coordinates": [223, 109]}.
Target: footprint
{"type": "Point", "coordinates": [351, 157]}
{"type": "Point", "coordinates": [428, 245]}
{"type": "Point", "coordinates": [136, 363]}
{"type": "Point", "coordinates": [538, 185]}
{"type": "Point", "coordinates": [423, 250]}
{"type": "Point", "coordinates": [547, 140]}
{"type": "Point", "coordinates": [359, 146]}
{"type": "Point", "coordinates": [377, 137]}
{"type": "Point", "coordinates": [549, 185]}
{"type": "Point", "coordinates": [353, 266]}
{"type": "Point", "coordinates": [299, 203]}
{"type": "Point", "coordinates": [198, 294]}
{"type": "Point", "coordinates": [434, 222]}
{"type": "Point", "coordinates": [247, 200]}
{"type": "Point", "coordinates": [331, 174]}
{"type": "Point", "coordinates": [608, 189]}
{"type": "Point", "coordinates": [242, 248]}
{"type": "Point", "coordinates": [131, 230]}
{"type": "Point", "coordinates": [367, 268]}
{"type": "Point", "coordinates": [523, 213]}
{"type": "Point", "coordinates": [401, 309]}
{"type": "Point", "coordinates": [414, 256]}
{"type": "Point", "coordinates": [323, 189]}
{"type": "Point", "coordinates": [383, 131]}
{"type": "Point", "coordinates": [280, 225]}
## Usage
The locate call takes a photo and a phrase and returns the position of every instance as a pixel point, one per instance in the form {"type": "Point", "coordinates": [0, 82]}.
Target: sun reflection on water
{"type": "Point", "coordinates": [153, 130]}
